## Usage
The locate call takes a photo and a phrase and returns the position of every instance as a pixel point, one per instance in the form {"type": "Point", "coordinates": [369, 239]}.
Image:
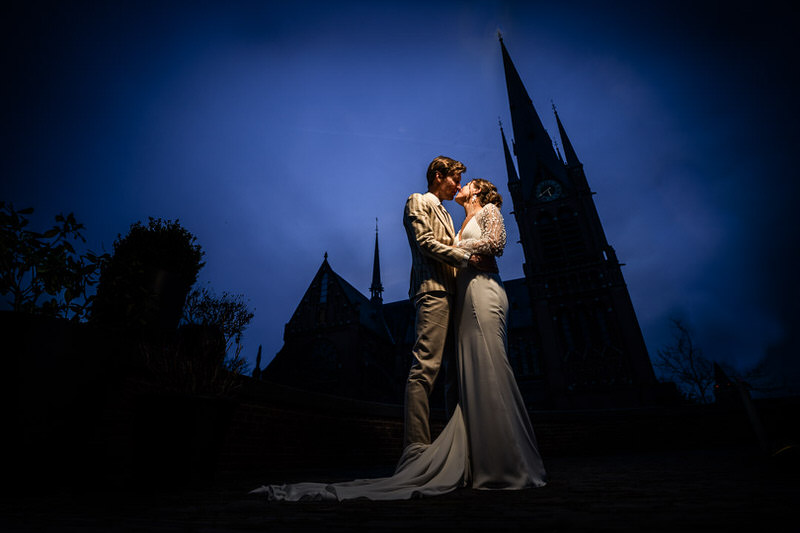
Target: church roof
{"type": "Point", "coordinates": [352, 294]}
{"type": "Point", "coordinates": [369, 314]}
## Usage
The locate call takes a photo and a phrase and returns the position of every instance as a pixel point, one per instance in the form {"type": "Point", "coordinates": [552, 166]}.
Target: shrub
{"type": "Point", "coordinates": [144, 283]}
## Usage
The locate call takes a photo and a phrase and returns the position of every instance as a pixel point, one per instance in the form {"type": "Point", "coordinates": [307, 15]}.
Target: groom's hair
{"type": "Point", "coordinates": [445, 166]}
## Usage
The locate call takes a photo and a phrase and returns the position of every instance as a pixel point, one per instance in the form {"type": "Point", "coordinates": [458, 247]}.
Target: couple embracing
{"type": "Point", "coordinates": [461, 308]}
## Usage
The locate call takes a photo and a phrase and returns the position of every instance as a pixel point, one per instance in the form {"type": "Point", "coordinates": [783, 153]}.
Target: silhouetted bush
{"type": "Point", "coordinates": [228, 312]}
{"type": "Point", "coordinates": [144, 283]}
{"type": "Point", "coordinates": [193, 363]}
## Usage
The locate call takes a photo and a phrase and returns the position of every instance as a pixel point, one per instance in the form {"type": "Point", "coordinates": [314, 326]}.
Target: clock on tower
{"type": "Point", "coordinates": [548, 190]}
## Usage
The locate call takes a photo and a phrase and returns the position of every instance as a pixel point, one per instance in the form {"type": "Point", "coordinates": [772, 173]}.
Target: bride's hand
{"type": "Point", "coordinates": [484, 263]}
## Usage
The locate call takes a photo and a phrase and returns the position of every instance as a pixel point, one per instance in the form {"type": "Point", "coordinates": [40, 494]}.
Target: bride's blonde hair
{"type": "Point", "coordinates": [487, 193]}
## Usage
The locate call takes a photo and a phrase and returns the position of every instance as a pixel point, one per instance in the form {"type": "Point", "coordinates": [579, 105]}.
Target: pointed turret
{"type": "Point", "coordinates": [257, 369]}
{"type": "Point", "coordinates": [376, 289]}
{"type": "Point", "coordinates": [533, 147]}
{"type": "Point", "coordinates": [558, 152]}
{"type": "Point", "coordinates": [569, 152]}
{"type": "Point", "coordinates": [510, 168]}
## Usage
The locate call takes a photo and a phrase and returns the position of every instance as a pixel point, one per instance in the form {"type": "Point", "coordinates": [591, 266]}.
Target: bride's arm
{"type": "Point", "coordinates": [493, 233]}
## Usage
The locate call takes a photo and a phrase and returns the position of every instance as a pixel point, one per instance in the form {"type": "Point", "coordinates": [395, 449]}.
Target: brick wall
{"type": "Point", "coordinates": [280, 429]}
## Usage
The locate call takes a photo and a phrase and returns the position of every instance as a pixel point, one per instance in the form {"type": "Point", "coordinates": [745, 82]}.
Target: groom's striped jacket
{"type": "Point", "coordinates": [431, 236]}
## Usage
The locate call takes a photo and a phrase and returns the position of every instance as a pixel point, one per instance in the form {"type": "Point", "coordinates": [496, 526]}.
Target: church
{"type": "Point", "coordinates": [574, 341]}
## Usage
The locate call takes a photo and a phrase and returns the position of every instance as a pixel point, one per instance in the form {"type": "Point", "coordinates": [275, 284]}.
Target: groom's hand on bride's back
{"type": "Point", "coordinates": [484, 263]}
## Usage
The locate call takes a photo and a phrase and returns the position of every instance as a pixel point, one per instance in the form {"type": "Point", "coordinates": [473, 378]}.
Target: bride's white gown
{"type": "Point", "coordinates": [488, 443]}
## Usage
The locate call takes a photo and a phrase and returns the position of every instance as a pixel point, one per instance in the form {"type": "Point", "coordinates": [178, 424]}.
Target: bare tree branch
{"type": "Point", "coordinates": [684, 363]}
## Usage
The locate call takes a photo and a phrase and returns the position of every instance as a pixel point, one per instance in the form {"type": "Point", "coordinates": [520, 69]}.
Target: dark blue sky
{"type": "Point", "coordinates": [278, 133]}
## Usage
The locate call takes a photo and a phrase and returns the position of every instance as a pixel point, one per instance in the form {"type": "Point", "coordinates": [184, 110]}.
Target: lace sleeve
{"type": "Point", "coordinates": [493, 233]}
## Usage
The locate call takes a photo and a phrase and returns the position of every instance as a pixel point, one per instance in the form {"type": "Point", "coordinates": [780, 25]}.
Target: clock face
{"type": "Point", "coordinates": [548, 190]}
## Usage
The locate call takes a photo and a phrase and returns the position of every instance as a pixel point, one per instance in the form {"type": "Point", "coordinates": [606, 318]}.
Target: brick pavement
{"type": "Point", "coordinates": [698, 490]}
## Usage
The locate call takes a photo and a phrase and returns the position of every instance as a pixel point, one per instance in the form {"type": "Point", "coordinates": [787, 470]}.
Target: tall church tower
{"type": "Point", "coordinates": [376, 289]}
{"type": "Point", "coordinates": [588, 340]}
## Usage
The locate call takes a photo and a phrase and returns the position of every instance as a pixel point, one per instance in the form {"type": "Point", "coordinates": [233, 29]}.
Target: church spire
{"type": "Point", "coordinates": [569, 152]}
{"type": "Point", "coordinates": [536, 157]}
{"type": "Point", "coordinates": [376, 289]}
{"type": "Point", "coordinates": [510, 168]}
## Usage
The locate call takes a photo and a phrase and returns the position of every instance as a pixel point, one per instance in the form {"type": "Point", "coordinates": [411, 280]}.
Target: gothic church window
{"type": "Point", "coordinates": [323, 291]}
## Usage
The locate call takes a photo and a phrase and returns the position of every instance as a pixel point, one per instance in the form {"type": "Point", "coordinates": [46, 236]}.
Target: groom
{"type": "Point", "coordinates": [431, 235]}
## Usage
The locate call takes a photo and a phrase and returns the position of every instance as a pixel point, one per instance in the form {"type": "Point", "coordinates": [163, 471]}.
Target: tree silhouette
{"type": "Point", "coordinates": [683, 362]}
{"type": "Point", "coordinates": [144, 283]}
{"type": "Point", "coordinates": [228, 312]}
{"type": "Point", "coordinates": [42, 273]}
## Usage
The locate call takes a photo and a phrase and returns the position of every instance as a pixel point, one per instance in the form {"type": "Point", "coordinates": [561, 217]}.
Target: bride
{"type": "Point", "coordinates": [488, 443]}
